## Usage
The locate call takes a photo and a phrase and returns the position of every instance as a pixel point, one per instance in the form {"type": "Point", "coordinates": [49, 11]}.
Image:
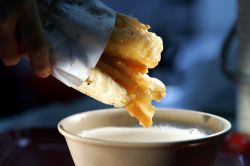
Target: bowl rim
{"type": "Point", "coordinates": [208, 138]}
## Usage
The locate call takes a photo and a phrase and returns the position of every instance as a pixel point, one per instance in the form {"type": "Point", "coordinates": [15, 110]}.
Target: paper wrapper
{"type": "Point", "coordinates": [78, 34]}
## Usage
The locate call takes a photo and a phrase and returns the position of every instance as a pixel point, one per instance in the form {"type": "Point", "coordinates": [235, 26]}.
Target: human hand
{"type": "Point", "coordinates": [21, 33]}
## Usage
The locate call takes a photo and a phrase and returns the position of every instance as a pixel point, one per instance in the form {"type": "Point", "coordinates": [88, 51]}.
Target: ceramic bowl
{"type": "Point", "coordinates": [186, 152]}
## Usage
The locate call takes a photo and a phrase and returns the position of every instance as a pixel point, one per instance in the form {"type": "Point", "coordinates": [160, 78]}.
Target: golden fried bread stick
{"type": "Point", "coordinates": [120, 77]}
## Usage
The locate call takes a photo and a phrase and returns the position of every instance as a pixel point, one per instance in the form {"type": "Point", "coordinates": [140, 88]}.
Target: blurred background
{"type": "Point", "coordinates": [194, 33]}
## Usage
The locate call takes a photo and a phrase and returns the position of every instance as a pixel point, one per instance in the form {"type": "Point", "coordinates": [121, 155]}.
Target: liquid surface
{"type": "Point", "coordinates": [139, 134]}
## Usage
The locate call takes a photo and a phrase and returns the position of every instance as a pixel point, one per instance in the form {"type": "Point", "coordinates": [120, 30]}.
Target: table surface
{"type": "Point", "coordinates": [39, 147]}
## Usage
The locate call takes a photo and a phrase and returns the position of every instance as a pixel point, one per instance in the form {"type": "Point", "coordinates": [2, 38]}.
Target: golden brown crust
{"type": "Point", "coordinates": [123, 21]}
{"type": "Point", "coordinates": [131, 40]}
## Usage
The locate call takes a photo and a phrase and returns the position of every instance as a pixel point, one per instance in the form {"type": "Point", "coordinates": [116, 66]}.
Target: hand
{"type": "Point", "coordinates": [21, 33]}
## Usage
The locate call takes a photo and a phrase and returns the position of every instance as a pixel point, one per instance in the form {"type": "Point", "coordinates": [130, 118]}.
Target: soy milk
{"type": "Point", "coordinates": [160, 133]}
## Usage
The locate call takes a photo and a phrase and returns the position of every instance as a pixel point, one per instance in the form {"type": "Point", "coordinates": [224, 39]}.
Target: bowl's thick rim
{"type": "Point", "coordinates": [208, 138]}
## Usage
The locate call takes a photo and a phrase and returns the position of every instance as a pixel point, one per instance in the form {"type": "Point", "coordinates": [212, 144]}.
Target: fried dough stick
{"type": "Point", "coordinates": [131, 40]}
{"type": "Point", "coordinates": [120, 77]}
{"type": "Point", "coordinates": [131, 50]}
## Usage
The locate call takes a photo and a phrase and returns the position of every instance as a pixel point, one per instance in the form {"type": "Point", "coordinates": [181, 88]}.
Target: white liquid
{"type": "Point", "coordinates": [139, 134]}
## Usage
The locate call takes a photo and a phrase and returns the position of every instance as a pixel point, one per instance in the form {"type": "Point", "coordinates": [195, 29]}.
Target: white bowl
{"type": "Point", "coordinates": [185, 152]}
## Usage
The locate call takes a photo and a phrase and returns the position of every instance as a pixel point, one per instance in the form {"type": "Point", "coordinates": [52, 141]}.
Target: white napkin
{"type": "Point", "coordinates": [79, 37]}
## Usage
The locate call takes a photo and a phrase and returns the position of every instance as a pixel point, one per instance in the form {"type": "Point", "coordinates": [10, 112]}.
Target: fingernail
{"type": "Point", "coordinates": [42, 74]}
{"type": "Point", "coordinates": [10, 61]}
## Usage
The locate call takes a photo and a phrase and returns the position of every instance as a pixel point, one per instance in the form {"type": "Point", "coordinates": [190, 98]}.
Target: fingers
{"type": "Point", "coordinates": [21, 31]}
{"type": "Point", "coordinates": [8, 43]}
{"type": "Point", "coordinates": [34, 41]}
